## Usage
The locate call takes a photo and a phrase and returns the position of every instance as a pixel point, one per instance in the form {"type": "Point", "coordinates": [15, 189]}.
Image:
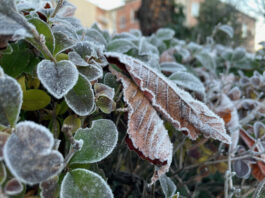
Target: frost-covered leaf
{"type": "Point", "coordinates": [188, 81]}
{"type": "Point", "coordinates": [207, 60]}
{"type": "Point", "coordinates": [45, 30]}
{"type": "Point", "coordinates": [120, 45]}
{"type": "Point", "coordinates": [146, 132]}
{"type": "Point", "coordinates": [3, 173]}
{"type": "Point", "coordinates": [10, 100]}
{"type": "Point", "coordinates": [110, 80]}
{"type": "Point", "coordinates": [227, 29]}
{"type": "Point", "coordinates": [67, 10]}
{"type": "Point", "coordinates": [83, 183]}
{"type": "Point", "coordinates": [62, 42]}
{"type": "Point", "coordinates": [92, 35]}
{"type": "Point", "coordinates": [28, 153]}
{"type": "Point", "coordinates": [234, 94]}
{"type": "Point", "coordinates": [146, 48]}
{"type": "Point", "coordinates": [99, 141]}
{"type": "Point", "coordinates": [50, 188]}
{"type": "Point", "coordinates": [228, 112]}
{"type": "Point", "coordinates": [172, 67]}
{"type": "Point", "coordinates": [168, 186]}
{"type": "Point", "coordinates": [3, 138]}
{"type": "Point", "coordinates": [168, 55]}
{"type": "Point", "coordinates": [58, 78]}
{"type": "Point", "coordinates": [259, 130]}
{"type": "Point", "coordinates": [81, 97]}
{"type": "Point", "coordinates": [242, 168]}
{"type": "Point", "coordinates": [165, 34]}
{"type": "Point", "coordinates": [102, 89]}
{"type": "Point", "coordinates": [77, 59]}
{"type": "Point", "coordinates": [239, 54]}
{"type": "Point", "coordinates": [35, 99]}
{"type": "Point", "coordinates": [71, 123]}
{"type": "Point", "coordinates": [177, 106]}
{"type": "Point", "coordinates": [91, 72]}
{"type": "Point", "coordinates": [105, 104]}
{"type": "Point", "coordinates": [11, 27]}
{"type": "Point", "coordinates": [22, 60]}
{"type": "Point", "coordinates": [13, 187]}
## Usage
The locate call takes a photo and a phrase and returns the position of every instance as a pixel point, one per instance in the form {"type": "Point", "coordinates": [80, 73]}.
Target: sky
{"type": "Point", "coordinates": [247, 6]}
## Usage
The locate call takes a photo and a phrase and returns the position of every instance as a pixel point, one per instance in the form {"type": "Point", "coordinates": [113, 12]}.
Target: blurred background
{"type": "Point", "coordinates": [193, 20]}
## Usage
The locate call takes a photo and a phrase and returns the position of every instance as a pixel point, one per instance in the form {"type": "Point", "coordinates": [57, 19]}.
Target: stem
{"type": "Point", "coordinates": [59, 5]}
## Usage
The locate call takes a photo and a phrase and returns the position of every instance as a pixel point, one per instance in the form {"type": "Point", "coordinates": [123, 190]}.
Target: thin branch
{"type": "Point", "coordinates": [59, 5]}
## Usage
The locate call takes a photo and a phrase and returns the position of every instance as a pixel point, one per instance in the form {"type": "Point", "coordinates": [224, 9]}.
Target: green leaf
{"type": "Point", "coordinates": [83, 183]}
{"type": "Point", "coordinates": [120, 45]}
{"type": "Point", "coordinates": [98, 141]}
{"type": "Point", "coordinates": [168, 186]}
{"type": "Point", "coordinates": [91, 72]}
{"type": "Point", "coordinates": [111, 81]}
{"type": "Point", "coordinates": [71, 123]}
{"type": "Point", "coordinates": [2, 173]}
{"type": "Point", "coordinates": [61, 108]}
{"type": "Point", "coordinates": [35, 99]}
{"type": "Point", "coordinates": [105, 104]}
{"type": "Point", "coordinates": [3, 138]}
{"type": "Point", "coordinates": [45, 30]}
{"type": "Point", "coordinates": [81, 98]}
{"type": "Point", "coordinates": [206, 60]}
{"type": "Point", "coordinates": [10, 100]}
{"type": "Point", "coordinates": [227, 29]}
{"type": "Point", "coordinates": [21, 60]}
{"type": "Point", "coordinates": [62, 42]}
{"type": "Point", "coordinates": [188, 81]}
{"type": "Point", "coordinates": [165, 34]}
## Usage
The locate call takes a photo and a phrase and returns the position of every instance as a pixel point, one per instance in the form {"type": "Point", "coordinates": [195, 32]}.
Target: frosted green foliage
{"type": "Point", "coordinates": [194, 47]}
{"type": "Point", "coordinates": [158, 43]}
{"type": "Point", "coordinates": [207, 60]}
{"type": "Point", "coordinates": [3, 174]}
{"type": "Point", "coordinates": [62, 42]}
{"type": "Point", "coordinates": [110, 80]}
{"type": "Point", "coordinates": [91, 72]}
{"type": "Point", "coordinates": [165, 34]}
{"type": "Point", "coordinates": [168, 186]}
{"type": "Point", "coordinates": [146, 48]}
{"type": "Point", "coordinates": [3, 138]}
{"type": "Point", "coordinates": [125, 35]}
{"type": "Point", "coordinates": [85, 49]}
{"type": "Point", "coordinates": [77, 59]}
{"type": "Point", "coordinates": [92, 35]}
{"type": "Point", "coordinates": [227, 29]}
{"type": "Point", "coordinates": [136, 32]}
{"type": "Point", "coordinates": [13, 187]}
{"type": "Point", "coordinates": [67, 30]}
{"type": "Point", "coordinates": [49, 188]}
{"type": "Point", "coordinates": [10, 100]}
{"type": "Point", "coordinates": [185, 54]}
{"type": "Point", "coordinates": [102, 89]}
{"type": "Point", "coordinates": [28, 153]}
{"type": "Point", "coordinates": [81, 98]}
{"type": "Point", "coordinates": [104, 33]}
{"type": "Point", "coordinates": [172, 67]}
{"type": "Point", "coordinates": [99, 141]}
{"type": "Point", "coordinates": [83, 183]}
{"type": "Point", "coordinates": [67, 10]}
{"type": "Point", "coordinates": [45, 30]}
{"type": "Point", "coordinates": [10, 20]}
{"type": "Point", "coordinates": [58, 78]}
{"type": "Point", "coordinates": [188, 81]}
{"type": "Point", "coordinates": [120, 45]}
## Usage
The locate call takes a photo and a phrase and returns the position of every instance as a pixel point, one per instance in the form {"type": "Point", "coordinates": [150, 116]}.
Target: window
{"type": "Point", "coordinates": [132, 16]}
{"type": "Point", "coordinates": [244, 30]}
{"type": "Point", "coordinates": [195, 9]}
{"type": "Point", "coordinates": [122, 22]}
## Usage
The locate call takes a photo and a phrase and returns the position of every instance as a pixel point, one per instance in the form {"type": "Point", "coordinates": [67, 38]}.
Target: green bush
{"type": "Point", "coordinates": [71, 98]}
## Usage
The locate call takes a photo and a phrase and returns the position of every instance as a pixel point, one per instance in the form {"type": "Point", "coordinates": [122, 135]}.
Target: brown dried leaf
{"type": "Point", "coordinates": [146, 132]}
{"type": "Point", "coordinates": [175, 104]}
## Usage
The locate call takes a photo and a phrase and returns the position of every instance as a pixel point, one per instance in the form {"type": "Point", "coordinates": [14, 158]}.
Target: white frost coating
{"type": "Point", "coordinates": [120, 45]}
{"type": "Point", "coordinates": [68, 188]}
{"type": "Point", "coordinates": [91, 72]}
{"type": "Point", "coordinates": [146, 48]}
{"type": "Point", "coordinates": [1, 72]}
{"type": "Point", "coordinates": [77, 59]}
{"type": "Point", "coordinates": [188, 80]}
{"type": "Point", "coordinates": [102, 89]}
{"type": "Point", "coordinates": [80, 99]}
{"type": "Point", "coordinates": [165, 34]}
{"type": "Point", "coordinates": [98, 141]}
{"type": "Point", "coordinates": [57, 78]}
{"type": "Point", "coordinates": [172, 67]}
{"type": "Point", "coordinates": [28, 153]}
{"type": "Point", "coordinates": [11, 98]}
{"type": "Point", "coordinates": [15, 187]}
{"type": "Point", "coordinates": [132, 63]}
{"type": "Point", "coordinates": [168, 186]}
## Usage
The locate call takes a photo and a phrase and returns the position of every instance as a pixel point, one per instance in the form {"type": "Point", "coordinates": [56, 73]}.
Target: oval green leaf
{"type": "Point", "coordinates": [35, 99]}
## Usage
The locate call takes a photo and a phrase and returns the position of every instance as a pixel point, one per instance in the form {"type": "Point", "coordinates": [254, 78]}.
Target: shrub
{"type": "Point", "coordinates": [68, 94]}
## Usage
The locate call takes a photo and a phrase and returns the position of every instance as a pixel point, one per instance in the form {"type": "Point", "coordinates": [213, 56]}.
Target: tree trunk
{"type": "Point", "coordinates": [154, 14]}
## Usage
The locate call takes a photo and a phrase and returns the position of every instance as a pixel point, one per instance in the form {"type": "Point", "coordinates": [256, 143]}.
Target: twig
{"type": "Point", "coordinates": [59, 5]}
